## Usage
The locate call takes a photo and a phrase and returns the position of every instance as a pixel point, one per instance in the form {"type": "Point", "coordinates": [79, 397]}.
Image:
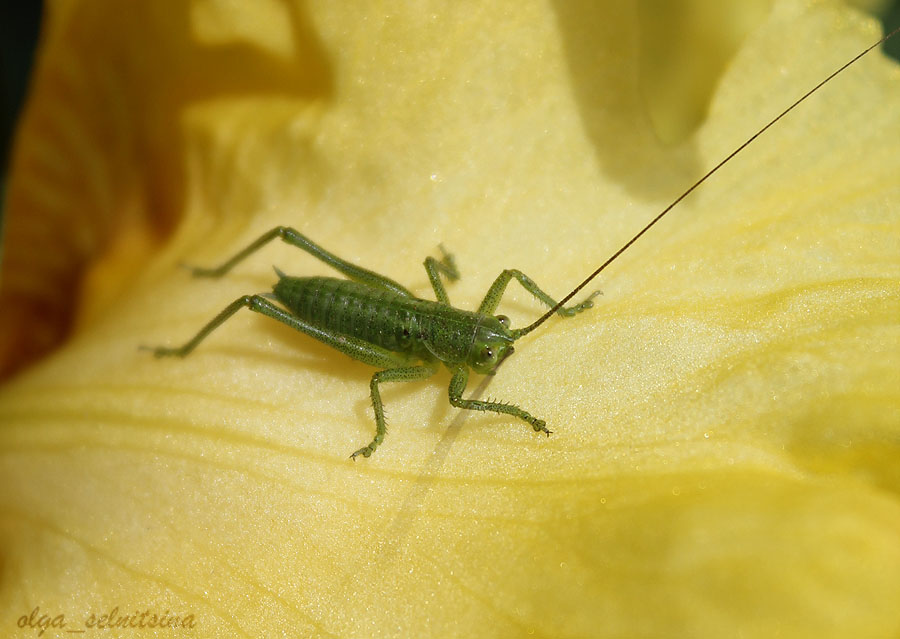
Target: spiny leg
{"type": "Point", "coordinates": [355, 348]}
{"type": "Point", "coordinates": [213, 324]}
{"type": "Point", "coordinates": [404, 374]}
{"type": "Point", "coordinates": [458, 386]}
{"type": "Point", "coordinates": [294, 238]}
{"type": "Point", "coordinates": [396, 365]}
{"type": "Point", "coordinates": [492, 299]}
{"type": "Point", "coordinates": [447, 266]}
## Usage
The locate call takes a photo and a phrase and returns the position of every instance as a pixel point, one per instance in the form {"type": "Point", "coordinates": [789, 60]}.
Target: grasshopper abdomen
{"type": "Point", "coordinates": [406, 325]}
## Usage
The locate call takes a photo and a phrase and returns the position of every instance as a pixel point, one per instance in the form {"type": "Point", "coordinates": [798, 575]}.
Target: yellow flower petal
{"type": "Point", "coordinates": [726, 420]}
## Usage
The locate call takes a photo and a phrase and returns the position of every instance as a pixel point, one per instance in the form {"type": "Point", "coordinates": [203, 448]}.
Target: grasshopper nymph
{"type": "Point", "coordinates": [375, 320]}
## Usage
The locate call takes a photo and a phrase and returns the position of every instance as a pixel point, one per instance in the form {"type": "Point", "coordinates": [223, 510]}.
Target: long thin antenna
{"type": "Point", "coordinates": [549, 314]}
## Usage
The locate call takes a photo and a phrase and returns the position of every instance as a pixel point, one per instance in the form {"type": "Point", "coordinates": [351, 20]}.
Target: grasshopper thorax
{"type": "Point", "coordinates": [491, 344]}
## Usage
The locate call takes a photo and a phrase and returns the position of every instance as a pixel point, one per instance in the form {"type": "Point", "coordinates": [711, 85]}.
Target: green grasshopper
{"type": "Point", "coordinates": [375, 320]}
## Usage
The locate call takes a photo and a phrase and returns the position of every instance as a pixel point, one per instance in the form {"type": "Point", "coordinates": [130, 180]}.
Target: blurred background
{"type": "Point", "coordinates": [684, 48]}
{"type": "Point", "coordinates": [20, 26]}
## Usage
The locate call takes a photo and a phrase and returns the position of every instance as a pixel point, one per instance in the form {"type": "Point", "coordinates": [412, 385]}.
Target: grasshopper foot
{"type": "Point", "coordinates": [583, 306]}
{"type": "Point", "coordinates": [449, 263]}
{"type": "Point", "coordinates": [540, 426]}
{"type": "Point", "coordinates": [365, 451]}
{"type": "Point", "coordinates": [199, 271]}
{"type": "Point", "coordinates": [162, 351]}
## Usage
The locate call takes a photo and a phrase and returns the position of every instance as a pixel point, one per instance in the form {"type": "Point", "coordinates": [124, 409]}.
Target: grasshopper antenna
{"type": "Point", "coordinates": [614, 256]}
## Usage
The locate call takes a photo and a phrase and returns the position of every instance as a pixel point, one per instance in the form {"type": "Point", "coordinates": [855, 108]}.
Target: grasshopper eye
{"type": "Point", "coordinates": [503, 319]}
{"type": "Point", "coordinates": [487, 354]}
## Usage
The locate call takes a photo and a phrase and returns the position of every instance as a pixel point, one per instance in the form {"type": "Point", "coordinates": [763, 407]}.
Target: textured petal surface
{"type": "Point", "coordinates": [726, 420]}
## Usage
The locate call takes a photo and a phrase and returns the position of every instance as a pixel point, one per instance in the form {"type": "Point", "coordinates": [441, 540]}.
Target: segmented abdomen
{"type": "Point", "coordinates": [392, 321]}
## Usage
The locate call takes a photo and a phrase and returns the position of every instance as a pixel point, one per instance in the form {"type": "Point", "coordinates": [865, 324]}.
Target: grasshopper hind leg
{"type": "Point", "coordinates": [397, 368]}
{"type": "Point", "coordinates": [300, 241]}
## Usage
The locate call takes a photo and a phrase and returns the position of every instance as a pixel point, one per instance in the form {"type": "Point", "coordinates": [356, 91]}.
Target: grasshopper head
{"type": "Point", "coordinates": [491, 345]}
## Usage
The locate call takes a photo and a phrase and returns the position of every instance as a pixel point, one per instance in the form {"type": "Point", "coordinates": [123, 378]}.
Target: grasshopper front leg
{"type": "Point", "coordinates": [492, 299]}
{"type": "Point", "coordinates": [458, 386]}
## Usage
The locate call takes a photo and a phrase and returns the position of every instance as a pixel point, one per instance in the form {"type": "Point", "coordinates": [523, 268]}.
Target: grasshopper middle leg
{"type": "Point", "coordinates": [402, 374]}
